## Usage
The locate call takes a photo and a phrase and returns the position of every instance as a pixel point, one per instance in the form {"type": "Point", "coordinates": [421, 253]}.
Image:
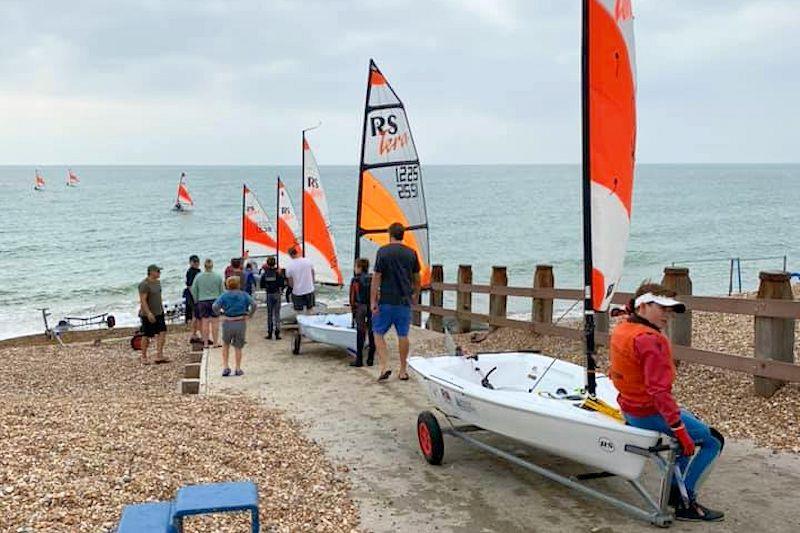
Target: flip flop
{"type": "Point", "coordinates": [404, 377]}
{"type": "Point", "coordinates": [385, 375]}
{"type": "Point", "coordinates": [162, 361]}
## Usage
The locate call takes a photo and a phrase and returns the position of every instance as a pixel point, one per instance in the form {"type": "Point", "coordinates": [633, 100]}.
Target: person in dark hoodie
{"type": "Point", "coordinates": [272, 282]}
{"type": "Point", "coordinates": [360, 287]}
{"type": "Point", "coordinates": [643, 372]}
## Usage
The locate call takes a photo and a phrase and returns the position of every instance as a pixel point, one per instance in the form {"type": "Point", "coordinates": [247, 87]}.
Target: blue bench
{"type": "Point", "coordinates": [167, 517]}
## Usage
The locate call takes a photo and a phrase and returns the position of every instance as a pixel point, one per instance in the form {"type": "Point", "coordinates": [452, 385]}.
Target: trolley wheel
{"type": "Point", "coordinates": [296, 344]}
{"type": "Point", "coordinates": [111, 321]}
{"type": "Point", "coordinates": [431, 442]}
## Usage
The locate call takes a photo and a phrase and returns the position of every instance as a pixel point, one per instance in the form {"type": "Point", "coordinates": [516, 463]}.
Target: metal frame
{"type": "Point", "coordinates": [657, 510]}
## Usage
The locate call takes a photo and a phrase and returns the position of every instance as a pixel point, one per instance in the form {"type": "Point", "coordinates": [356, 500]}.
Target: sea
{"type": "Point", "coordinates": [82, 251]}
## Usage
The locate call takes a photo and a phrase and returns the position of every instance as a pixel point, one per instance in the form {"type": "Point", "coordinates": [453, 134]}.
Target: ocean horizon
{"type": "Point", "coordinates": [81, 251]}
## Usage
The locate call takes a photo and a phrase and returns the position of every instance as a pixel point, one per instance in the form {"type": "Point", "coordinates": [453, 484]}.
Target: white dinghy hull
{"type": "Point", "coordinates": [524, 405]}
{"type": "Point", "coordinates": [289, 316]}
{"type": "Point", "coordinates": [333, 329]}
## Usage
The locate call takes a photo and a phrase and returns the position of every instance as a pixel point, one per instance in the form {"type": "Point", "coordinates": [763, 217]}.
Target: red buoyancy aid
{"type": "Point", "coordinates": [628, 372]}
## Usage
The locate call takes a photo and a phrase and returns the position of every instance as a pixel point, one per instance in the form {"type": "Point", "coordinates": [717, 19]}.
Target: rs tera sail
{"type": "Point", "coordinates": [390, 180]}
{"type": "Point", "coordinates": [72, 179]}
{"type": "Point", "coordinates": [183, 198]}
{"type": "Point", "coordinates": [609, 151]}
{"type": "Point", "coordinates": [318, 243]}
{"type": "Point", "coordinates": [258, 233]}
{"type": "Point", "coordinates": [288, 228]}
{"type": "Point", "coordinates": [38, 180]}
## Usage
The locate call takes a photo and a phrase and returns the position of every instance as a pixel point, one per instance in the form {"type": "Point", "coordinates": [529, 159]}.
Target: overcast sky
{"type": "Point", "coordinates": [484, 81]}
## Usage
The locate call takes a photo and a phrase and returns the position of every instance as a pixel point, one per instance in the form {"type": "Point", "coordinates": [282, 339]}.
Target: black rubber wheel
{"type": "Point", "coordinates": [431, 442]}
{"type": "Point", "coordinates": [296, 344]}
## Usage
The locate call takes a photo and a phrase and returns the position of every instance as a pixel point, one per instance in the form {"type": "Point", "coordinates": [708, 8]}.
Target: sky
{"type": "Point", "coordinates": [484, 81]}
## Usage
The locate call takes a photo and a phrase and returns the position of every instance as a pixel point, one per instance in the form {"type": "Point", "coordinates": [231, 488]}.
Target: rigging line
{"type": "Point", "coordinates": [567, 311]}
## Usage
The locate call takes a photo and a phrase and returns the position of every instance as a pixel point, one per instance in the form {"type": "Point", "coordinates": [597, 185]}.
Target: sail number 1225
{"type": "Point", "coordinates": [407, 180]}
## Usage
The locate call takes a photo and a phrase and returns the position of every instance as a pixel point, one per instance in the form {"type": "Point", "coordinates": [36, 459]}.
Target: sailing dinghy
{"type": "Point", "coordinates": [389, 190]}
{"type": "Point", "coordinates": [183, 200]}
{"type": "Point", "coordinates": [554, 405]}
{"type": "Point", "coordinates": [72, 179]}
{"type": "Point", "coordinates": [38, 181]}
{"type": "Point", "coordinates": [259, 238]}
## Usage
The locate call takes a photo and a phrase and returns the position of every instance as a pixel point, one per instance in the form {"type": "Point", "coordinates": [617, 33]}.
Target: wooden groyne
{"type": "Point", "coordinates": [774, 309]}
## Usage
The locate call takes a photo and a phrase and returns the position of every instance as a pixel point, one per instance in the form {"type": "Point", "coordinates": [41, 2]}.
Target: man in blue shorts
{"type": "Point", "coordinates": [395, 285]}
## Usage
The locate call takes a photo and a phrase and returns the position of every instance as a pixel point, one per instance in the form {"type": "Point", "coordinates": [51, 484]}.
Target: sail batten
{"type": "Point", "coordinates": [390, 178]}
{"type": "Point", "coordinates": [318, 242]}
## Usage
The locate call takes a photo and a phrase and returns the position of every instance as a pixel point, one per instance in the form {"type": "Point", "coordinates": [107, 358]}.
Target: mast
{"type": "Point", "coordinates": [588, 308]}
{"type": "Point", "coordinates": [178, 192]}
{"type": "Point", "coordinates": [361, 163]}
{"type": "Point", "coordinates": [244, 193]}
{"type": "Point", "coordinates": [278, 223]}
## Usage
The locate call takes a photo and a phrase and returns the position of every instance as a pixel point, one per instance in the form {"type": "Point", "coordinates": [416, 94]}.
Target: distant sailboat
{"type": "Point", "coordinates": [38, 181]}
{"type": "Point", "coordinates": [288, 228]}
{"type": "Point", "coordinates": [318, 243]}
{"type": "Point", "coordinates": [72, 179]}
{"type": "Point", "coordinates": [183, 201]}
{"type": "Point", "coordinates": [259, 238]}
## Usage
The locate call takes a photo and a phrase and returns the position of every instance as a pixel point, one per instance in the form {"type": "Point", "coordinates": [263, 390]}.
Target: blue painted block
{"type": "Point", "coordinates": [152, 517]}
{"type": "Point", "coordinates": [217, 498]}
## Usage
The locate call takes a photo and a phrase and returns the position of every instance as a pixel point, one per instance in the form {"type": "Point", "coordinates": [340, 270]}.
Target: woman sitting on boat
{"type": "Point", "coordinates": [643, 372]}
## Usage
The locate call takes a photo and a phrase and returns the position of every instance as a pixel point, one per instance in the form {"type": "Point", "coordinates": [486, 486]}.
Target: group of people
{"type": "Point", "coordinates": [641, 362]}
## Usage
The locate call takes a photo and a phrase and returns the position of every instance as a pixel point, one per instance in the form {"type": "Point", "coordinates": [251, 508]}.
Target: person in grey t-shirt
{"type": "Point", "coordinates": [151, 312]}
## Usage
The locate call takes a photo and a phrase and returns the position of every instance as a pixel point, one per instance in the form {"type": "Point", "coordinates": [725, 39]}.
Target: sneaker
{"type": "Point", "coordinates": [357, 363]}
{"type": "Point", "coordinates": [226, 372]}
{"type": "Point", "coordinates": [239, 372]}
{"type": "Point", "coordinates": [697, 513]}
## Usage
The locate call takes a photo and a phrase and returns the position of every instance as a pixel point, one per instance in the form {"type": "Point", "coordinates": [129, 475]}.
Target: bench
{"type": "Point", "coordinates": [192, 500]}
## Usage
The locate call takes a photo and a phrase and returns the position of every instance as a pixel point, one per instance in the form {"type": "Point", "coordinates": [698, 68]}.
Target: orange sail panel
{"type": "Point", "coordinates": [318, 243]}
{"type": "Point", "coordinates": [390, 181]}
{"type": "Point", "coordinates": [612, 141]}
{"type": "Point", "coordinates": [258, 233]}
{"type": "Point", "coordinates": [288, 229]}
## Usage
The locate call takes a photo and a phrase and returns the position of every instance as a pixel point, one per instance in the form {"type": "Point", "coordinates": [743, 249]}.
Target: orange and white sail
{"type": "Point", "coordinates": [390, 181]}
{"type": "Point", "coordinates": [259, 238]}
{"type": "Point", "coordinates": [38, 180]}
{"type": "Point", "coordinates": [72, 179]}
{"type": "Point", "coordinates": [609, 131]}
{"type": "Point", "coordinates": [318, 243]}
{"type": "Point", "coordinates": [288, 227]}
{"type": "Point", "coordinates": [184, 198]}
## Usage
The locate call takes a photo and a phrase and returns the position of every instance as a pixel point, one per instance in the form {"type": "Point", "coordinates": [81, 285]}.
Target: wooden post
{"type": "Point", "coordinates": [679, 329]}
{"type": "Point", "coordinates": [416, 316]}
{"type": "Point", "coordinates": [498, 302]}
{"type": "Point", "coordinates": [464, 298]}
{"type": "Point", "coordinates": [437, 299]}
{"type": "Point", "coordinates": [774, 336]}
{"type": "Point", "coordinates": [542, 308]}
{"type": "Point", "coordinates": [601, 322]}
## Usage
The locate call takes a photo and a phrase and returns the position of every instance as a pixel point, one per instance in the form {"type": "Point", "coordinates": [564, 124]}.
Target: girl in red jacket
{"type": "Point", "coordinates": [643, 372]}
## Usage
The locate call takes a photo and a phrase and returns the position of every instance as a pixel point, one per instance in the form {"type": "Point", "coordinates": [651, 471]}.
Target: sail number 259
{"type": "Point", "coordinates": [407, 180]}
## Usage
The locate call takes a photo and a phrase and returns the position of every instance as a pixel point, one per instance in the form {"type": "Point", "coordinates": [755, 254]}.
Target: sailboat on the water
{"type": "Point", "coordinates": [551, 404]}
{"type": "Point", "coordinates": [72, 179]}
{"type": "Point", "coordinates": [38, 181]}
{"type": "Point", "coordinates": [183, 200]}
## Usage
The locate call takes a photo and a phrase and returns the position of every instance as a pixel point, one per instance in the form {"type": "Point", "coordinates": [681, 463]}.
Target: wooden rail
{"type": "Point", "coordinates": [775, 312]}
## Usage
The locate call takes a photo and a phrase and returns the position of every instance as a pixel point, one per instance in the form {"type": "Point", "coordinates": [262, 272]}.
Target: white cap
{"type": "Point", "coordinates": [664, 301]}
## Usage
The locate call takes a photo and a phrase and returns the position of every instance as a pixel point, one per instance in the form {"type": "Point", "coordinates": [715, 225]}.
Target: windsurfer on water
{"type": "Point", "coordinates": [643, 372]}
